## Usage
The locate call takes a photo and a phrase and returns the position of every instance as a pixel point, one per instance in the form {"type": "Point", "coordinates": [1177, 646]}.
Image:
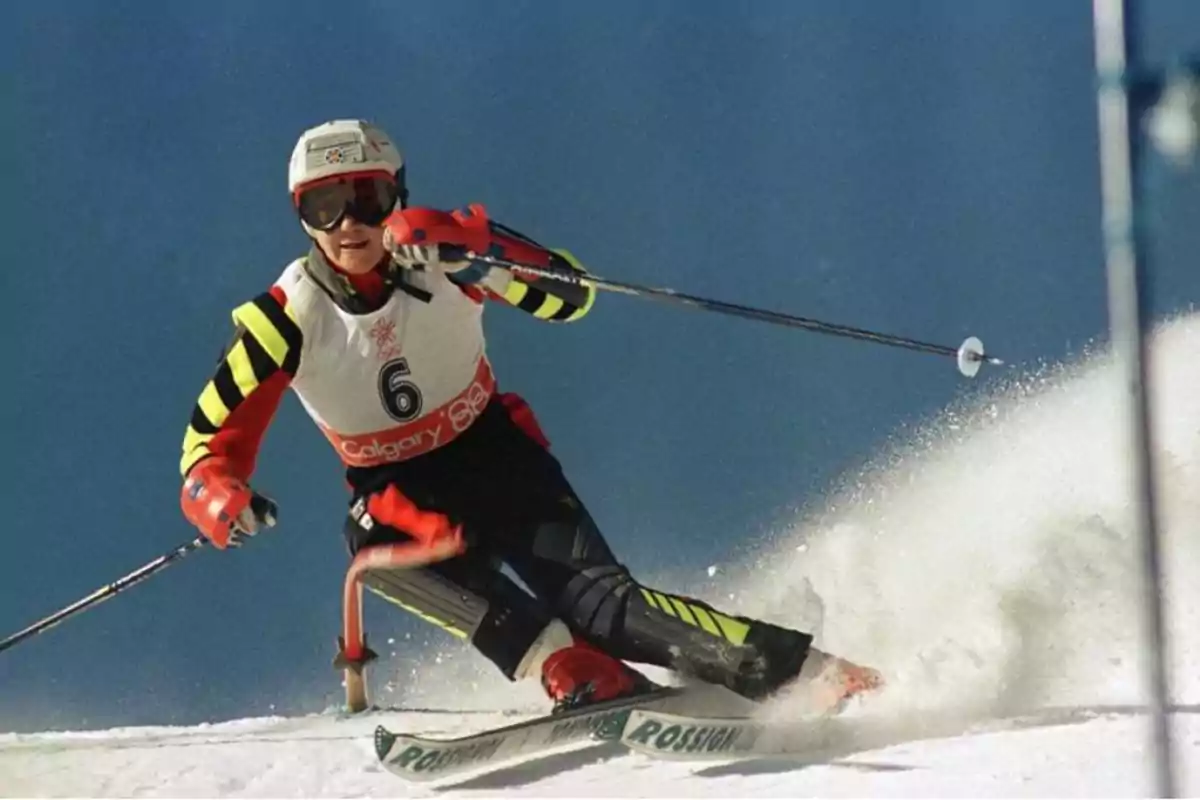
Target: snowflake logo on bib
{"type": "Point", "coordinates": [383, 334]}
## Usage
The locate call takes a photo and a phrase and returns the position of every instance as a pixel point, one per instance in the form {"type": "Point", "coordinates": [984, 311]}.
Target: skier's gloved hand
{"type": "Point", "coordinates": [426, 237]}
{"type": "Point", "coordinates": [391, 507]}
{"type": "Point", "coordinates": [222, 506]}
{"type": "Point", "coordinates": [447, 257]}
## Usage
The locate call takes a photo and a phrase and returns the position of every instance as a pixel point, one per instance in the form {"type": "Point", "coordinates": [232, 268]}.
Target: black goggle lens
{"type": "Point", "coordinates": [367, 199]}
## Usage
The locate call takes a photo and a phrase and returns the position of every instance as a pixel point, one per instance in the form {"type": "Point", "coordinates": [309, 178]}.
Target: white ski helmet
{"type": "Point", "coordinates": [344, 146]}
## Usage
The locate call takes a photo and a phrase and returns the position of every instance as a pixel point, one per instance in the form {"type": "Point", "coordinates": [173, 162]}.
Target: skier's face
{"type": "Point", "coordinates": [352, 246]}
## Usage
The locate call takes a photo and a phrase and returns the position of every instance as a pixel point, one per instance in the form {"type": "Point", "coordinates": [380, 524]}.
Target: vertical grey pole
{"type": "Point", "coordinates": [1121, 151]}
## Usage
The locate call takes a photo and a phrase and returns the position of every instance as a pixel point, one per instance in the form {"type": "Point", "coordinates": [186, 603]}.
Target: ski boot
{"type": "Point", "coordinates": [579, 675]}
{"type": "Point", "coordinates": [831, 682]}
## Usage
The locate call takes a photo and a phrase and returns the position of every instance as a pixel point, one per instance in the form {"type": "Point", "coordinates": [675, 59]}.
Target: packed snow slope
{"type": "Point", "coordinates": [986, 564]}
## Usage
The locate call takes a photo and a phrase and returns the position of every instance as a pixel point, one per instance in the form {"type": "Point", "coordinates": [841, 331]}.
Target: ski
{"type": "Point", "coordinates": [418, 758]}
{"type": "Point", "coordinates": [692, 738]}
{"type": "Point", "coordinates": [680, 737]}
{"type": "Point", "coordinates": [649, 724]}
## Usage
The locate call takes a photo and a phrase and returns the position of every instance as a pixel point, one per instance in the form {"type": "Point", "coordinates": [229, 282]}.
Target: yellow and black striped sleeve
{"type": "Point", "coordinates": [551, 300]}
{"type": "Point", "coordinates": [268, 343]}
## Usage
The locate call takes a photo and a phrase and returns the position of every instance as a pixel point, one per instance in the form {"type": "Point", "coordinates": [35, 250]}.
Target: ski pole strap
{"type": "Point", "coordinates": [103, 593]}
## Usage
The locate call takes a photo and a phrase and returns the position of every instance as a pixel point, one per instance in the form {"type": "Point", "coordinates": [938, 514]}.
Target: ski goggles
{"type": "Point", "coordinates": [366, 198]}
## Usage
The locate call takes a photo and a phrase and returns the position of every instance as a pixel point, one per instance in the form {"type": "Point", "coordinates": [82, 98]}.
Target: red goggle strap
{"type": "Point", "coordinates": [344, 176]}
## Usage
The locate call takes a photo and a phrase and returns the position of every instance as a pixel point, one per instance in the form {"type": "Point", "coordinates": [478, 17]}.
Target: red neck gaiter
{"type": "Point", "coordinates": [370, 285]}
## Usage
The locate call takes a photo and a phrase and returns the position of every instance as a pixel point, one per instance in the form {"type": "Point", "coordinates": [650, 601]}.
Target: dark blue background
{"type": "Point", "coordinates": [926, 168]}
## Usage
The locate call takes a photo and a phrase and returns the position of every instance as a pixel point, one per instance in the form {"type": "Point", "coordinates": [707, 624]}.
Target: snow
{"type": "Point", "coordinates": [985, 564]}
{"type": "Point", "coordinates": [325, 757]}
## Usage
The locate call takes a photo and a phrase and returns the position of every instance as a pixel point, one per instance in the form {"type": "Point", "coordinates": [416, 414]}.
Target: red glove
{"type": "Point", "coordinates": [428, 236]}
{"type": "Point", "coordinates": [221, 505]}
{"type": "Point", "coordinates": [429, 226]}
{"type": "Point", "coordinates": [392, 508]}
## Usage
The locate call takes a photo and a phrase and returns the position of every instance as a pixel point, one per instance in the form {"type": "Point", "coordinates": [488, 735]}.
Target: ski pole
{"type": "Point", "coordinates": [969, 355]}
{"type": "Point", "coordinates": [103, 593]}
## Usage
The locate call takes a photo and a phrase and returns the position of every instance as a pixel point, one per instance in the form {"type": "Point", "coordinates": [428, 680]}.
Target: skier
{"type": "Point", "coordinates": [378, 330]}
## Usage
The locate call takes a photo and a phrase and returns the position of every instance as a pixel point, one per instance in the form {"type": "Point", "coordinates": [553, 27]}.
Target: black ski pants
{"type": "Point", "coordinates": [518, 511]}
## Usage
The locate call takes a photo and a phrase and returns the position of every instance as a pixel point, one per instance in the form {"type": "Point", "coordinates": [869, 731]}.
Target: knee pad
{"type": "Point", "coordinates": [751, 657]}
{"type": "Point", "coordinates": [777, 655]}
{"type": "Point", "coordinates": [595, 600]}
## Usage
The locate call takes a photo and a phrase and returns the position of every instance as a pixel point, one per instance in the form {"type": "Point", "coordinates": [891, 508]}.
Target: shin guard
{"type": "Point", "coordinates": [637, 623]}
{"type": "Point", "coordinates": [502, 626]}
